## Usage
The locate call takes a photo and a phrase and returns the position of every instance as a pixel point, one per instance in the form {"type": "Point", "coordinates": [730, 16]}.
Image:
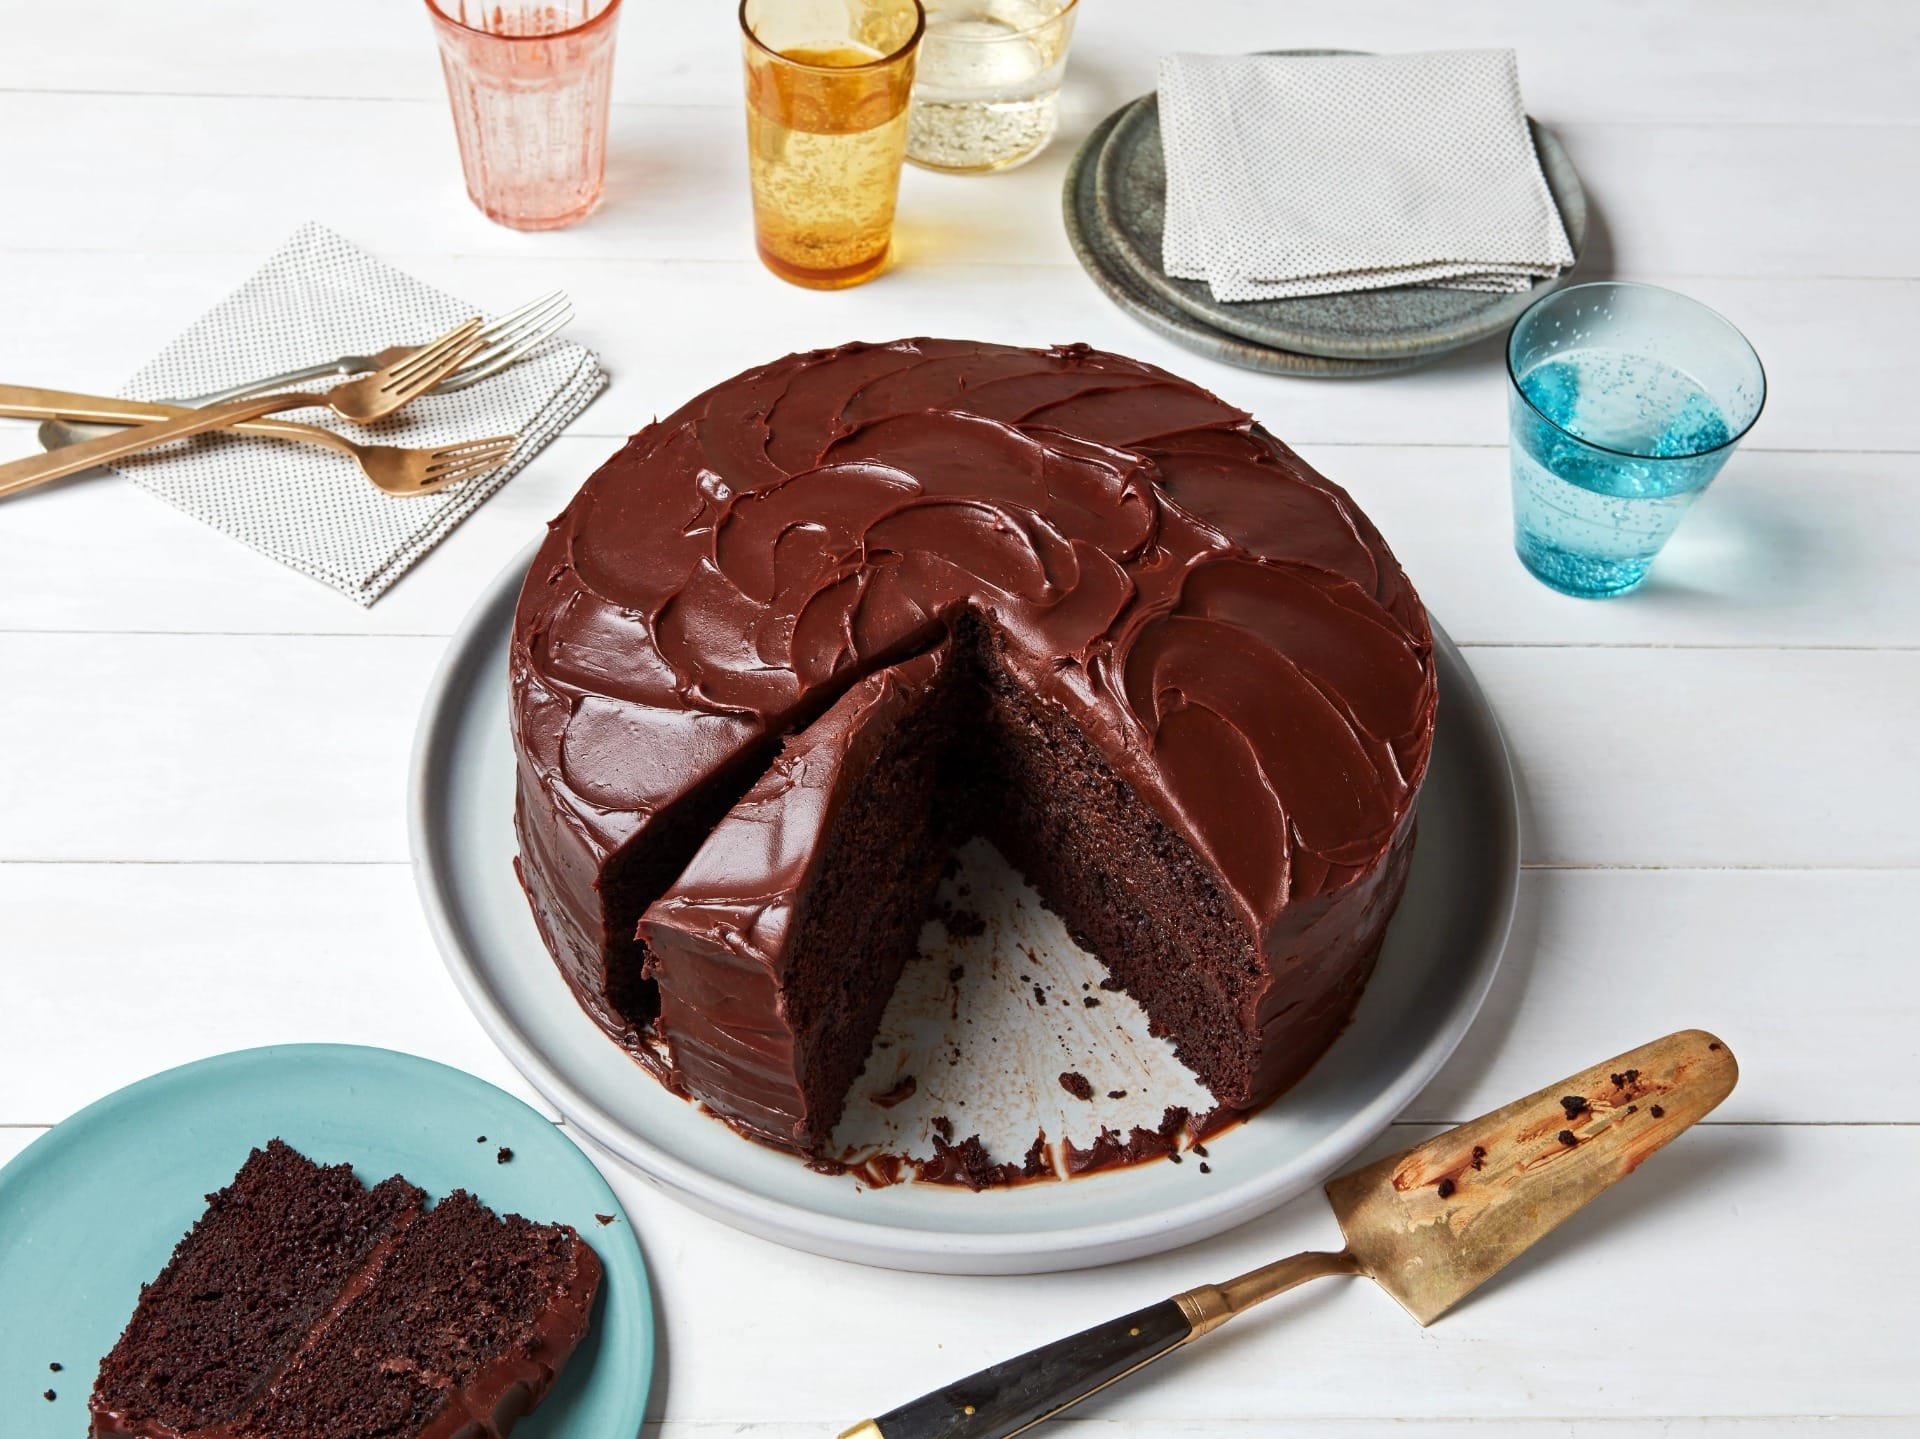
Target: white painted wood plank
{"type": "Point", "coordinates": [1564, 1333]}
{"type": "Point", "coordinates": [1736, 1274]}
{"type": "Point", "coordinates": [249, 748]}
{"type": "Point", "coordinates": [1802, 972]}
{"type": "Point", "coordinates": [1709, 60]}
{"type": "Point", "coordinates": [1782, 552]}
{"type": "Point", "coordinates": [1835, 349]}
{"type": "Point", "coordinates": [1806, 974]}
{"type": "Point", "coordinates": [1687, 199]}
{"type": "Point", "coordinates": [157, 965]}
{"type": "Point", "coordinates": [1712, 757]}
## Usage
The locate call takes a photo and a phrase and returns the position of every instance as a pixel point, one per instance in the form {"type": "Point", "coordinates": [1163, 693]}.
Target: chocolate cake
{"type": "Point", "coordinates": [794, 640]}
{"type": "Point", "coordinates": [303, 1305]}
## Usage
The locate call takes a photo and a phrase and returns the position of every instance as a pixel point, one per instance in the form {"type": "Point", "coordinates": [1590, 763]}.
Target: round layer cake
{"type": "Point", "coordinates": [790, 644]}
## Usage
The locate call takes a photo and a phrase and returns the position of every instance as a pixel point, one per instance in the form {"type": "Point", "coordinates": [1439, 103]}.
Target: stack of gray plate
{"type": "Point", "coordinates": [1116, 205]}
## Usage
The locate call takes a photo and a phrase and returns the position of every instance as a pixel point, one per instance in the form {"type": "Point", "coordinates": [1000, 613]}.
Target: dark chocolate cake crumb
{"type": "Point", "coordinates": [1444, 1188]}
{"type": "Point", "coordinates": [1714, 1045]}
{"type": "Point", "coordinates": [1174, 1120]}
{"type": "Point", "coordinates": [1116, 1094]}
{"type": "Point", "coordinates": [1177, 1157]}
{"type": "Point", "coordinates": [1633, 1076]}
{"type": "Point", "coordinates": [1205, 1168]}
{"type": "Point", "coordinates": [1566, 1138]}
{"type": "Point", "coordinates": [505, 1156]}
{"type": "Point", "coordinates": [1090, 1002]}
{"type": "Point", "coordinates": [55, 1367]}
{"type": "Point", "coordinates": [1619, 1081]}
{"type": "Point", "coordinates": [1039, 995]}
{"type": "Point", "coordinates": [943, 1126]}
{"type": "Point", "coordinates": [1633, 1109]}
{"type": "Point", "coordinates": [604, 1219]}
{"type": "Point", "coordinates": [1657, 1112]}
{"type": "Point", "coordinates": [962, 923]}
{"type": "Point", "coordinates": [1201, 1150]}
{"type": "Point", "coordinates": [1076, 1084]}
{"type": "Point", "coordinates": [1111, 985]}
{"type": "Point", "coordinates": [1479, 1156]}
{"type": "Point", "coordinates": [1574, 1104]}
{"type": "Point", "coordinates": [899, 1094]}
{"type": "Point", "coordinates": [480, 1139]}
{"type": "Point", "coordinates": [50, 1396]}
{"type": "Point", "coordinates": [1037, 1162]}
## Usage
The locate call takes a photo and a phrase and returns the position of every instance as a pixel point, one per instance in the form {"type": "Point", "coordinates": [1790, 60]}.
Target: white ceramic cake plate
{"type": "Point", "coordinates": [1434, 971]}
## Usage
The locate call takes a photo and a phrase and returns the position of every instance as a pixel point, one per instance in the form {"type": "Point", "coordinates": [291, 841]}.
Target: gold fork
{"type": "Point", "coordinates": [364, 399]}
{"type": "Point", "coordinates": [397, 469]}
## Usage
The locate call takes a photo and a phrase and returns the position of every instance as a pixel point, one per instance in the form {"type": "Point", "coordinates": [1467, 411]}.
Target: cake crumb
{"type": "Point", "coordinates": [1574, 1104]}
{"type": "Point", "coordinates": [962, 923]}
{"type": "Point", "coordinates": [1566, 1138]}
{"type": "Point", "coordinates": [1633, 1109]}
{"type": "Point", "coordinates": [50, 1396]}
{"type": "Point", "coordinates": [1205, 1168]}
{"type": "Point", "coordinates": [1619, 1081]}
{"type": "Point", "coordinates": [1633, 1076]}
{"type": "Point", "coordinates": [604, 1219]}
{"type": "Point", "coordinates": [1090, 1002]}
{"type": "Point", "coordinates": [505, 1156]}
{"type": "Point", "coordinates": [1111, 985]}
{"type": "Point", "coordinates": [1076, 1084]}
{"type": "Point", "coordinates": [1479, 1156]}
{"type": "Point", "coordinates": [480, 1139]}
{"type": "Point", "coordinates": [1039, 995]}
{"type": "Point", "coordinates": [1116, 1094]}
{"type": "Point", "coordinates": [1714, 1045]}
{"type": "Point", "coordinates": [1445, 1188]}
{"type": "Point", "coordinates": [1657, 1112]}
{"type": "Point", "coordinates": [899, 1094]}
{"type": "Point", "coordinates": [943, 1127]}
{"type": "Point", "coordinates": [1177, 1157]}
{"type": "Point", "coordinates": [55, 1367]}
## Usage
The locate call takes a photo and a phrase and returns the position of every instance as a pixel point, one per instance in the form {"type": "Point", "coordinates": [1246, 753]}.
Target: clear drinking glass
{"type": "Point", "coordinates": [987, 96]}
{"type": "Point", "coordinates": [529, 81]}
{"type": "Point", "coordinates": [1625, 400]}
{"type": "Point", "coordinates": [828, 83]}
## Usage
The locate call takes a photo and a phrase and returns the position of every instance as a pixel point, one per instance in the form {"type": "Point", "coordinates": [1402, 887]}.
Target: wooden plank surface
{"type": "Point", "coordinates": [201, 834]}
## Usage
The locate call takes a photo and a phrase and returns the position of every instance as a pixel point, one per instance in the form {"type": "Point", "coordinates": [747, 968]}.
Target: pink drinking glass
{"type": "Point", "coordinates": [529, 81]}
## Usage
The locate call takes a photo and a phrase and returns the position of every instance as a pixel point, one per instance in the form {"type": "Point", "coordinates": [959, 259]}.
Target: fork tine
{"type": "Point", "coordinates": [481, 451]}
{"type": "Point", "coordinates": [480, 463]}
{"type": "Point", "coordinates": [419, 371]}
{"type": "Point", "coordinates": [499, 323]}
{"type": "Point", "coordinates": [509, 348]}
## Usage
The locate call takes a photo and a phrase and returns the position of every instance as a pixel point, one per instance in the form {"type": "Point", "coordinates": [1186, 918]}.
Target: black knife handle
{"type": "Point", "coordinates": [1006, 1398]}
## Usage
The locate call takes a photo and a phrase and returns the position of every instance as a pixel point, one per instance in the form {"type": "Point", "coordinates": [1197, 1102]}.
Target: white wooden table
{"type": "Point", "coordinates": [201, 836]}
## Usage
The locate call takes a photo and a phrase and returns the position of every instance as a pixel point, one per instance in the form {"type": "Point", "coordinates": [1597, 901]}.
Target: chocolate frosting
{"type": "Point", "coordinates": [1223, 624]}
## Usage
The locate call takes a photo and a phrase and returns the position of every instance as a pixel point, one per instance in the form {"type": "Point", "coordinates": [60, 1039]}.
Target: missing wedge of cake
{"type": "Point", "coordinates": [304, 1305]}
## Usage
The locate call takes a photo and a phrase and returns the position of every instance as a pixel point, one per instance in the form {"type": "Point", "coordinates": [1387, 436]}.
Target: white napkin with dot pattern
{"type": "Point", "coordinates": [1309, 175]}
{"type": "Point", "coordinates": [310, 508]}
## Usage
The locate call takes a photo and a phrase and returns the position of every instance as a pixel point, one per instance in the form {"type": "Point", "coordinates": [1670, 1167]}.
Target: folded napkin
{"type": "Point", "coordinates": [1311, 175]}
{"type": "Point", "coordinates": [311, 508]}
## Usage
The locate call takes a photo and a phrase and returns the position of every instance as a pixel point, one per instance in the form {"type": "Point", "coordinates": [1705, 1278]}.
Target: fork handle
{"type": "Point", "coordinates": [38, 469]}
{"type": "Point", "coordinates": [24, 403]}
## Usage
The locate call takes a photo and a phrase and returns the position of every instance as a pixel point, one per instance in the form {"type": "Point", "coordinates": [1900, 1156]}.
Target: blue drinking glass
{"type": "Point", "coordinates": [1625, 400]}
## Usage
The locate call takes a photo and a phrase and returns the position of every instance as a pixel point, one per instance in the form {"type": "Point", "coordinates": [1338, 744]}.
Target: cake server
{"type": "Point", "coordinates": [1428, 1225]}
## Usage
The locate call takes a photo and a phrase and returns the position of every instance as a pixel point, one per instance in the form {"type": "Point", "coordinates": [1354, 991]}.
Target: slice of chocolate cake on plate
{"type": "Point", "coordinates": [304, 1305]}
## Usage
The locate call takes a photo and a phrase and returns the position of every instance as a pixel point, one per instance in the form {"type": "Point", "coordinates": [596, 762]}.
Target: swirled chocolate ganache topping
{"type": "Point", "coordinates": [792, 642]}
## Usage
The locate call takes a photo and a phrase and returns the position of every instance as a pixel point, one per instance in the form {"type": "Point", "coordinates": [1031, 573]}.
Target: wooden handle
{"type": "Point", "coordinates": [1010, 1396]}
{"type": "Point", "coordinates": [38, 469]}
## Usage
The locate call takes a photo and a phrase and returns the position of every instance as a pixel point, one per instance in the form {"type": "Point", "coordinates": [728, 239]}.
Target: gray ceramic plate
{"type": "Point", "coordinates": [1439, 959]}
{"type": "Point", "coordinates": [1099, 255]}
{"type": "Point", "coordinates": [1405, 322]}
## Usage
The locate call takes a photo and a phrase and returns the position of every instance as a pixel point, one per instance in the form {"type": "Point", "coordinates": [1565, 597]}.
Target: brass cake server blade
{"type": "Point", "coordinates": [1428, 1225]}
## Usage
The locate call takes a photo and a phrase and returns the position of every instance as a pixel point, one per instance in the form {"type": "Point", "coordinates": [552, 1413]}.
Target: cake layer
{"type": "Point", "coordinates": [305, 1306]}
{"type": "Point", "coordinates": [776, 950]}
{"type": "Point", "coordinates": [1221, 629]}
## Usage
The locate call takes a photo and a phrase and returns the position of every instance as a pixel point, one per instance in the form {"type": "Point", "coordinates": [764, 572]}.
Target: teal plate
{"type": "Point", "coordinates": [91, 1210]}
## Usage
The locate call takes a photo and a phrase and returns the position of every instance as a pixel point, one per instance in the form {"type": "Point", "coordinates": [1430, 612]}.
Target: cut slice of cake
{"type": "Point", "coordinates": [778, 947]}
{"type": "Point", "coordinates": [303, 1305]}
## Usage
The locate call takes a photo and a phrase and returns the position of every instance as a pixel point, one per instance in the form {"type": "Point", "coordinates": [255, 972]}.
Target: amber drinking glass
{"type": "Point", "coordinates": [529, 82]}
{"type": "Point", "coordinates": [828, 86]}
